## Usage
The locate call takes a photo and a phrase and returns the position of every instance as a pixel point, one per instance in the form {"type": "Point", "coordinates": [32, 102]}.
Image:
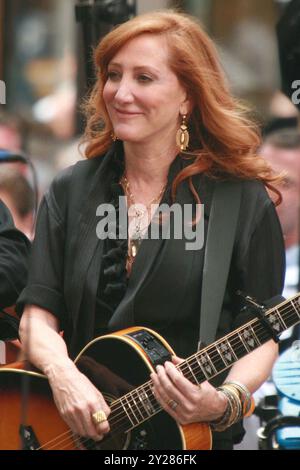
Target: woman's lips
{"type": "Point", "coordinates": [126, 113]}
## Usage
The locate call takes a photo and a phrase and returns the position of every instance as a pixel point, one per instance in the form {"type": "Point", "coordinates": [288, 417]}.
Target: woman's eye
{"type": "Point", "coordinates": [144, 79]}
{"type": "Point", "coordinates": [113, 76]}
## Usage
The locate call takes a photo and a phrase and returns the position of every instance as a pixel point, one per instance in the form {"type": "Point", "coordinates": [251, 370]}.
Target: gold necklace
{"type": "Point", "coordinates": [136, 240]}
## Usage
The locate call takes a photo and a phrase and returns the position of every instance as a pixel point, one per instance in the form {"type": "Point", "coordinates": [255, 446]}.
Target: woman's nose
{"type": "Point", "coordinates": [124, 92]}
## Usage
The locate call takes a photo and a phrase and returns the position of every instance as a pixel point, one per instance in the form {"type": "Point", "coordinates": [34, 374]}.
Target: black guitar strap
{"type": "Point", "coordinates": [220, 240]}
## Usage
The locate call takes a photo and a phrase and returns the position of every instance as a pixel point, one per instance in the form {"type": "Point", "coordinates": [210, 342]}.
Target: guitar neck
{"type": "Point", "coordinates": [140, 404]}
{"type": "Point", "coordinates": [223, 353]}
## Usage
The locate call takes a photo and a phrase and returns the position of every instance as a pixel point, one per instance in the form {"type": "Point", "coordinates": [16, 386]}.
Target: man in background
{"type": "Point", "coordinates": [282, 150]}
{"type": "Point", "coordinates": [16, 227]}
{"type": "Point", "coordinates": [14, 252]}
{"type": "Point", "coordinates": [18, 195]}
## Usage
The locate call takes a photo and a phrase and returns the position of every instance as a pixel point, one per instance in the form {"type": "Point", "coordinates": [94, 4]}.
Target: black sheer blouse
{"type": "Point", "coordinates": [82, 280]}
{"type": "Point", "coordinates": [113, 277]}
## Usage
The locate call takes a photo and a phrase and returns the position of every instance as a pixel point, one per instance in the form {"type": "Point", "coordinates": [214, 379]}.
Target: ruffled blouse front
{"type": "Point", "coordinates": [113, 278]}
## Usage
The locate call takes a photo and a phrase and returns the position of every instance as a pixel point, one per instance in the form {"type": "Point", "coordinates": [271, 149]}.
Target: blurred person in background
{"type": "Point", "coordinates": [10, 137]}
{"type": "Point", "coordinates": [14, 252]}
{"type": "Point", "coordinates": [18, 195]}
{"type": "Point", "coordinates": [282, 150]}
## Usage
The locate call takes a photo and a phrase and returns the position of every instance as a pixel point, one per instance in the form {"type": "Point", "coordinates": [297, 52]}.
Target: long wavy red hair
{"type": "Point", "coordinates": [223, 140]}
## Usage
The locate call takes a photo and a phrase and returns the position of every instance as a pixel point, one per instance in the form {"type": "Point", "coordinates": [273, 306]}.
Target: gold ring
{"type": "Point", "coordinates": [172, 404]}
{"type": "Point", "coordinates": [99, 417]}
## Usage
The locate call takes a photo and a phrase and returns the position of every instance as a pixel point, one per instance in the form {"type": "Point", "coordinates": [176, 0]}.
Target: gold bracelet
{"type": "Point", "coordinates": [232, 413]}
{"type": "Point", "coordinates": [238, 411]}
{"type": "Point", "coordinates": [245, 395]}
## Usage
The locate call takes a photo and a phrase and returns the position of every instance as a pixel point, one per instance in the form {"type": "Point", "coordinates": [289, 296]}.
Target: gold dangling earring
{"type": "Point", "coordinates": [183, 136]}
{"type": "Point", "coordinates": [114, 137]}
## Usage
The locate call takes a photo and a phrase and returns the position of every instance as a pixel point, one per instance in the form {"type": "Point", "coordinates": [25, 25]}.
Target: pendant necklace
{"type": "Point", "coordinates": [139, 212]}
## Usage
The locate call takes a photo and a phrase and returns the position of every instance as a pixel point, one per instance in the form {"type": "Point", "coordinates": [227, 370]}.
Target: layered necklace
{"type": "Point", "coordinates": [140, 219]}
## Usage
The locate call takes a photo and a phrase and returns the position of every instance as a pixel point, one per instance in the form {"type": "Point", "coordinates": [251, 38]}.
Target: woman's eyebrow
{"type": "Point", "coordinates": [137, 68]}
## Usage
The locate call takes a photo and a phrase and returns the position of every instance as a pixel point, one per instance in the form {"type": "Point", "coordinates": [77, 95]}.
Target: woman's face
{"type": "Point", "coordinates": [143, 97]}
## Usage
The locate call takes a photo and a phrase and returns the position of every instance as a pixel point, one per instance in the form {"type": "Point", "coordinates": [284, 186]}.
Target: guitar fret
{"type": "Point", "coordinates": [146, 402]}
{"type": "Point", "coordinates": [192, 373]}
{"type": "Point", "coordinates": [227, 352]}
{"type": "Point", "coordinates": [232, 350]}
{"type": "Point", "coordinates": [237, 347]}
{"type": "Point", "coordinates": [276, 321]}
{"type": "Point", "coordinates": [208, 364]}
{"type": "Point", "coordinates": [201, 367]}
{"type": "Point", "coordinates": [256, 338]}
{"type": "Point", "coordinates": [244, 343]}
{"type": "Point", "coordinates": [136, 406]}
{"type": "Point", "coordinates": [217, 362]}
{"type": "Point", "coordinates": [130, 407]}
{"type": "Point", "coordinates": [297, 306]}
{"type": "Point", "coordinates": [124, 408]}
{"type": "Point", "coordinates": [250, 338]}
{"type": "Point", "coordinates": [281, 319]}
{"type": "Point", "coordinates": [140, 404]}
{"type": "Point", "coordinates": [221, 355]}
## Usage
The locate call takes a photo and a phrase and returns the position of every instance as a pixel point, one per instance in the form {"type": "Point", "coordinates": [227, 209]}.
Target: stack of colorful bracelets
{"type": "Point", "coordinates": [239, 403]}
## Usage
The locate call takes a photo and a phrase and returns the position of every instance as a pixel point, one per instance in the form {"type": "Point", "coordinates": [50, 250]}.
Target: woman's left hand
{"type": "Point", "coordinates": [185, 402]}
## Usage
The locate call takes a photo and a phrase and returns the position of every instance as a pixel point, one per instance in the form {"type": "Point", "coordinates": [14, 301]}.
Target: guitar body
{"type": "Point", "coordinates": [117, 364]}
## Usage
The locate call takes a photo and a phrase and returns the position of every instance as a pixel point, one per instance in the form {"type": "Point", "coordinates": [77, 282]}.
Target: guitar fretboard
{"type": "Point", "coordinates": [140, 404]}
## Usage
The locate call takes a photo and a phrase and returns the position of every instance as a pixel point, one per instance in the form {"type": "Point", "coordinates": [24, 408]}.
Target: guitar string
{"type": "Point", "coordinates": [186, 369]}
{"type": "Point", "coordinates": [259, 329]}
{"type": "Point", "coordinates": [126, 427]}
{"type": "Point", "coordinates": [218, 355]}
{"type": "Point", "coordinates": [82, 442]}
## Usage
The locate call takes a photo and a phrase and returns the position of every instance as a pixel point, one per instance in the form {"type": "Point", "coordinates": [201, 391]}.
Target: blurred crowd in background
{"type": "Point", "coordinates": [42, 65]}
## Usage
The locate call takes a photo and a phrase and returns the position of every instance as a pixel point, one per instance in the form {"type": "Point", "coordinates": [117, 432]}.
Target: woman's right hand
{"type": "Point", "coordinates": [77, 399]}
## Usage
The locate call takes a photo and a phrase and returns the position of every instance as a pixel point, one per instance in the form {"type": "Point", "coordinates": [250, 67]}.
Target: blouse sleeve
{"type": "Point", "coordinates": [260, 263]}
{"type": "Point", "coordinates": [264, 263]}
{"type": "Point", "coordinates": [46, 268]}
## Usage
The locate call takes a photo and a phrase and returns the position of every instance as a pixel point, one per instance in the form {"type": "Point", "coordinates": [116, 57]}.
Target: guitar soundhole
{"type": "Point", "coordinates": [115, 442]}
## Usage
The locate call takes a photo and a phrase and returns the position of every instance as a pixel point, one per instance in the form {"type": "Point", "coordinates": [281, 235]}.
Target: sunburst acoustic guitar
{"type": "Point", "coordinates": [119, 364]}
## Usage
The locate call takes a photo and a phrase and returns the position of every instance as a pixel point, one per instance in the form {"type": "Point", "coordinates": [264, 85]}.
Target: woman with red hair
{"type": "Point", "coordinates": [162, 127]}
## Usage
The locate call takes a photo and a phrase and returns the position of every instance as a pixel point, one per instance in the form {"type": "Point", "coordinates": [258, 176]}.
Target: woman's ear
{"type": "Point", "coordinates": [186, 107]}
